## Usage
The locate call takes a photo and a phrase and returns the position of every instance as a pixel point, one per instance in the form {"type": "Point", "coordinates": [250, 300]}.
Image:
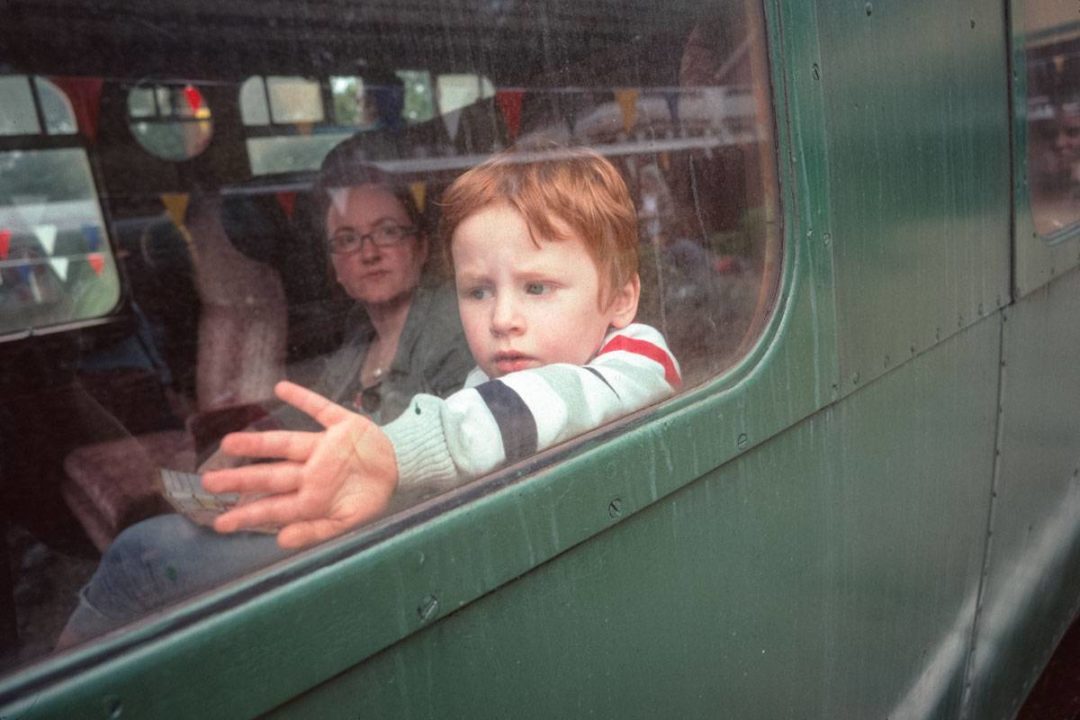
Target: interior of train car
{"type": "Point", "coordinates": [162, 264]}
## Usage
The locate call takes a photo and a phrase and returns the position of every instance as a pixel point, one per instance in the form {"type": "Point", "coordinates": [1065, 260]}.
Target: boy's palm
{"type": "Point", "coordinates": [321, 484]}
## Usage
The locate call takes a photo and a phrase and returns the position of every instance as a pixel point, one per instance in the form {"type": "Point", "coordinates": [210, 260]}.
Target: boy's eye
{"type": "Point", "coordinates": [478, 293]}
{"type": "Point", "coordinates": [536, 288]}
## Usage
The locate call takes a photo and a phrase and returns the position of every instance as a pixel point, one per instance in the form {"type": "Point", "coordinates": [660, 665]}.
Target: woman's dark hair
{"type": "Point", "coordinates": [345, 167]}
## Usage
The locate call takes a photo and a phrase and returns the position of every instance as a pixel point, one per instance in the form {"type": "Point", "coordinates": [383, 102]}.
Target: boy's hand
{"type": "Point", "coordinates": [323, 483]}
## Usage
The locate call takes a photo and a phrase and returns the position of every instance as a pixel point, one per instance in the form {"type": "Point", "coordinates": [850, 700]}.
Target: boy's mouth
{"type": "Point", "coordinates": [508, 362]}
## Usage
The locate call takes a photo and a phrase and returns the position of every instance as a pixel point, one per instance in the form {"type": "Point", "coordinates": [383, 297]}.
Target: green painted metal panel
{"type": "Point", "coordinates": [1032, 584]}
{"type": "Point", "coordinates": [284, 630]}
{"type": "Point", "coordinates": [1038, 259]}
{"type": "Point", "coordinates": [829, 573]}
{"type": "Point", "coordinates": [916, 99]}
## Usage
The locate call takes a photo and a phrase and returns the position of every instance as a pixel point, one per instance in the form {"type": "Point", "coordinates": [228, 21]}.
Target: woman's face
{"type": "Point", "coordinates": [371, 274]}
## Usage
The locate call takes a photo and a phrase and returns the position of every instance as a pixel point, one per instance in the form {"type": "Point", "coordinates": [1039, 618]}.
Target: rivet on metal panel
{"type": "Point", "coordinates": [973, 24]}
{"type": "Point", "coordinates": [614, 508]}
{"type": "Point", "coordinates": [742, 441]}
{"type": "Point", "coordinates": [427, 608]}
{"type": "Point", "coordinates": [816, 71]}
{"type": "Point", "coordinates": [869, 9]}
{"type": "Point", "coordinates": [827, 237]}
{"type": "Point", "coordinates": [114, 708]}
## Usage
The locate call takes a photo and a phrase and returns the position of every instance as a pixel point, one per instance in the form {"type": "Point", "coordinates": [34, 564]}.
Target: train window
{"type": "Point", "coordinates": [55, 108]}
{"type": "Point", "coordinates": [460, 90]}
{"type": "Point", "coordinates": [55, 265]}
{"type": "Point", "coordinates": [172, 122]}
{"type": "Point", "coordinates": [18, 115]}
{"type": "Point", "coordinates": [246, 259]}
{"type": "Point", "coordinates": [1053, 87]}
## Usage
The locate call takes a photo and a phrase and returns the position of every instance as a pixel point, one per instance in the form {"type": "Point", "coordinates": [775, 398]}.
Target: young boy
{"type": "Point", "coordinates": [544, 255]}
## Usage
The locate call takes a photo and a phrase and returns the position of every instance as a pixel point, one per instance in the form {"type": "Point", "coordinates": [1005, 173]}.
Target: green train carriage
{"type": "Point", "coordinates": [865, 501]}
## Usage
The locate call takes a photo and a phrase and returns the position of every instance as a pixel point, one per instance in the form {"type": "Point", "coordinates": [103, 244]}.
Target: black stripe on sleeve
{"type": "Point", "coordinates": [603, 379]}
{"type": "Point", "coordinates": [516, 423]}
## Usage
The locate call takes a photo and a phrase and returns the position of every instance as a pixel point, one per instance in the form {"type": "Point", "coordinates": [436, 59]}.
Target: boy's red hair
{"type": "Point", "coordinates": [578, 187]}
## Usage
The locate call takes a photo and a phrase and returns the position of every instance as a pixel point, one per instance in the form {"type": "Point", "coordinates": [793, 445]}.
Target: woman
{"type": "Point", "coordinates": [404, 338]}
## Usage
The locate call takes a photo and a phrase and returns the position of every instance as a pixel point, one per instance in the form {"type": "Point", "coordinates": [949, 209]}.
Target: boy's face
{"type": "Point", "coordinates": [524, 306]}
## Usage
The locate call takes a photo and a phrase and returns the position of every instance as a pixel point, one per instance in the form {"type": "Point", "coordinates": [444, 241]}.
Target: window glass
{"type": "Point", "coordinates": [170, 122]}
{"type": "Point", "coordinates": [17, 114]}
{"type": "Point", "coordinates": [55, 106]}
{"type": "Point", "coordinates": [253, 107]}
{"type": "Point", "coordinates": [294, 100]}
{"type": "Point", "coordinates": [1053, 86]}
{"type": "Point", "coordinates": [290, 153]}
{"type": "Point", "coordinates": [419, 97]}
{"type": "Point", "coordinates": [55, 264]}
{"type": "Point", "coordinates": [459, 90]}
{"type": "Point", "coordinates": [278, 248]}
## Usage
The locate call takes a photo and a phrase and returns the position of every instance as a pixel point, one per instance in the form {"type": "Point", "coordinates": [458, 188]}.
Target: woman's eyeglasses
{"type": "Point", "coordinates": [347, 241]}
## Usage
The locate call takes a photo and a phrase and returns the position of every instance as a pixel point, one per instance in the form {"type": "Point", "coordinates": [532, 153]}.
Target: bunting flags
{"type": "Point", "coordinates": [193, 97]}
{"type": "Point", "coordinates": [509, 104]}
{"type": "Point", "coordinates": [339, 197]}
{"type": "Point", "coordinates": [46, 235]}
{"type": "Point", "coordinates": [627, 99]}
{"type": "Point", "coordinates": [419, 194]}
{"type": "Point", "coordinates": [5, 243]}
{"type": "Point", "coordinates": [176, 205]}
{"type": "Point", "coordinates": [452, 121]}
{"type": "Point", "coordinates": [97, 262]}
{"type": "Point", "coordinates": [287, 202]}
{"type": "Point", "coordinates": [60, 265]}
{"type": "Point", "coordinates": [93, 237]}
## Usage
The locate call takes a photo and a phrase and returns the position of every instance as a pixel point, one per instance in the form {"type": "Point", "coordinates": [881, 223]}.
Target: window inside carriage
{"type": "Point", "coordinates": [1052, 44]}
{"type": "Point", "coordinates": [273, 245]}
{"type": "Point", "coordinates": [55, 261]}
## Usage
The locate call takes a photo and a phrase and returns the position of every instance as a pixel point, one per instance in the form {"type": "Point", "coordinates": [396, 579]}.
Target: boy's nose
{"type": "Point", "coordinates": [505, 317]}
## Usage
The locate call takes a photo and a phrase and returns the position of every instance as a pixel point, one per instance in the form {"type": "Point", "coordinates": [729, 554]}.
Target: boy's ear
{"type": "Point", "coordinates": [623, 308]}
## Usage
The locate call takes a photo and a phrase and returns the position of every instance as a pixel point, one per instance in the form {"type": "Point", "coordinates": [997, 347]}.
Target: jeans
{"type": "Point", "coordinates": [159, 562]}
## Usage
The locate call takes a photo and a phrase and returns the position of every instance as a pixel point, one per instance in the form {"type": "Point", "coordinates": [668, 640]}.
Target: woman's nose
{"type": "Point", "coordinates": [506, 316]}
{"type": "Point", "coordinates": [369, 252]}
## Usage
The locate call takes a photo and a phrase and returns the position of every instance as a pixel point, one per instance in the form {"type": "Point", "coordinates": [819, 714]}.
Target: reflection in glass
{"type": "Point", "coordinates": [678, 101]}
{"type": "Point", "coordinates": [294, 100]}
{"type": "Point", "coordinates": [55, 106]}
{"type": "Point", "coordinates": [170, 122]}
{"type": "Point", "coordinates": [1053, 105]}
{"type": "Point", "coordinates": [17, 114]}
{"type": "Point", "coordinates": [55, 264]}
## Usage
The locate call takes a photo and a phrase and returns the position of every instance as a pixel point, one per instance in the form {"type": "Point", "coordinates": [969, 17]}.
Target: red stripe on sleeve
{"type": "Point", "coordinates": [646, 349]}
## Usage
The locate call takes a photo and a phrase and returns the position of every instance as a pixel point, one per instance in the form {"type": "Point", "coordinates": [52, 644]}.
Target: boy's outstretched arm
{"type": "Point", "coordinates": [321, 483]}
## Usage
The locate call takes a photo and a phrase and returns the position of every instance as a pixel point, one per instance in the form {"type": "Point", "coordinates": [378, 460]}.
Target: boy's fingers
{"type": "Point", "coordinates": [273, 478]}
{"type": "Point", "coordinates": [285, 444]}
{"type": "Point", "coordinates": [325, 411]}
{"type": "Point", "coordinates": [275, 510]}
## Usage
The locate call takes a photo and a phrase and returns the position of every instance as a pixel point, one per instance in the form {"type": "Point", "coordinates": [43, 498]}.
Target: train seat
{"type": "Point", "coordinates": [240, 348]}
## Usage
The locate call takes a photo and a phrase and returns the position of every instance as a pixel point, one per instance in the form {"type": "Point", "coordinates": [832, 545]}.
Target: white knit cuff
{"type": "Point", "coordinates": [420, 444]}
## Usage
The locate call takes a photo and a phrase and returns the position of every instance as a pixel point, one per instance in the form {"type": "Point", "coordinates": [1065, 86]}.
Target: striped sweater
{"type": "Point", "coordinates": [494, 422]}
